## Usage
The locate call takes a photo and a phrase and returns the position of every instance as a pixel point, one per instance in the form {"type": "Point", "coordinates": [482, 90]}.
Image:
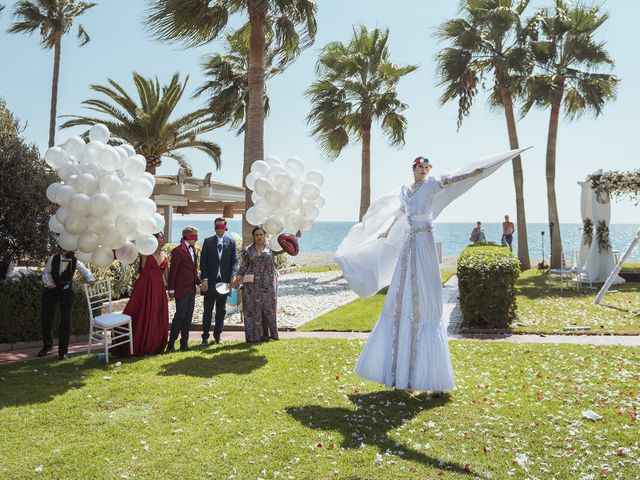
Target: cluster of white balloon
{"type": "Point", "coordinates": [283, 196]}
{"type": "Point", "coordinates": [104, 200]}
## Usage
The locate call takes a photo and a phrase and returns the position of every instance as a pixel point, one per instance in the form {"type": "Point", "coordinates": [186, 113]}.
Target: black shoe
{"type": "Point", "coordinates": [184, 348]}
{"type": "Point", "coordinates": [205, 342]}
{"type": "Point", "coordinates": [44, 351]}
{"type": "Point", "coordinates": [437, 394]}
{"type": "Point", "coordinates": [64, 356]}
{"type": "Point", "coordinates": [218, 341]}
{"type": "Point", "coordinates": [170, 349]}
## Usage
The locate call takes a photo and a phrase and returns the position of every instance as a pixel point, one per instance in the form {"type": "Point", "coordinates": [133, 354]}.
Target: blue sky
{"type": "Point", "coordinates": [120, 46]}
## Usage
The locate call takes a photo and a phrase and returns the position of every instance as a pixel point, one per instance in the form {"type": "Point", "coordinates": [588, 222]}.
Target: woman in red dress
{"type": "Point", "coordinates": [148, 305]}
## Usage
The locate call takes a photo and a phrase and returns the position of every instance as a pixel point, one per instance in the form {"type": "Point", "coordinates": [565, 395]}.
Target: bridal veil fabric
{"type": "Point", "coordinates": [407, 348]}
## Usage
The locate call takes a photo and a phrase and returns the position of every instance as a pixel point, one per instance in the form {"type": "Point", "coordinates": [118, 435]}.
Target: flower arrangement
{"type": "Point", "coordinates": [587, 232]}
{"type": "Point", "coordinates": [602, 236]}
{"type": "Point", "coordinates": [616, 184]}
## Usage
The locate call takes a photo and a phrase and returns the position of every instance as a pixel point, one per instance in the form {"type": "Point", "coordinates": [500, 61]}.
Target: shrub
{"type": "Point", "coordinates": [20, 307]}
{"type": "Point", "coordinates": [122, 277]}
{"type": "Point", "coordinates": [487, 282]}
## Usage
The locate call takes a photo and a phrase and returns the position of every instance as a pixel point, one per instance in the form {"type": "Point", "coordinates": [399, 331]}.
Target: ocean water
{"type": "Point", "coordinates": [325, 237]}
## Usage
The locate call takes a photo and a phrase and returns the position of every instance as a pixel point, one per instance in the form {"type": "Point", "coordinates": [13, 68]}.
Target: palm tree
{"type": "Point", "coordinates": [147, 125]}
{"type": "Point", "coordinates": [357, 86]}
{"type": "Point", "coordinates": [198, 22]}
{"type": "Point", "coordinates": [53, 19]}
{"type": "Point", "coordinates": [569, 75]}
{"type": "Point", "coordinates": [487, 40]}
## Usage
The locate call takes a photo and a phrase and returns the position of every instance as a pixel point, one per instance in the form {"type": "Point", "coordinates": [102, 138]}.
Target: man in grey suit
{"type": "Point", "coordinates": [218, 264]}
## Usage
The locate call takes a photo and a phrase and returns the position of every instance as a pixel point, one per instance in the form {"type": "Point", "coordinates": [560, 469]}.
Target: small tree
{"type": "Point", "coordinates": [24, 207]}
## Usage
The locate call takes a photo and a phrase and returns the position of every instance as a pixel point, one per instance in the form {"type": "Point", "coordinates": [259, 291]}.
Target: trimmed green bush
{"type": "Point", "coordinates": [20, 307]}
{"type": "Point", "coordinates": [487, 282]}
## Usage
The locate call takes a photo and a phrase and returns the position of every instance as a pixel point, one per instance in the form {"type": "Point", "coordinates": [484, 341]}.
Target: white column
{"type": "Point", "coordinates": [168, 222]}
{"type": "Point", "coordinates": [601, 262]}
{"type": "Point", "coordinates": [585, 211]}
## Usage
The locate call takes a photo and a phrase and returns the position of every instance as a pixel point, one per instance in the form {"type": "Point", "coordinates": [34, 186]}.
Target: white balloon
{"type": "Point", "coordinates": [86, 183]}
{"type": "Point", "coordinates": [281, 213]}
{"type": "Point", "coordinates": [255, 197]}
{"type": "Point", "coordinates": [274, 245]}
{"type": "Point", "coordinates": [251, 180]}
{"type": "Point", "coordinates": [51, 191]}
{"type": "Point", "coordinates": [112, 239]}
{"type": "Point", "coordinates": [273, 225]}
{"type": "Point", "coordinates": [88, 242]}
{"type": "Point", "coordinates": [128, 149]}
{"type": "Point", "coordinates": [159, 223]}
{"type": "Point", "coordinates": [293, 221]}
{"type": "Point", "coordinates": [102, 257]}
{"type": "Point", "coordinates": [150, 178]}
{"type": "Point", "coordinates": [274, 197]}
{"type": "Point", "coordinates": [294, 166]}
{"type": "Point", "coordinates": [147, 225]}
{"type": "Point", "coordinates": [145, 208]}
{"type": "Point", "coordinates": [127, 253]}
{"type": "Point", "coordinates": [273, 160]}
{"type": "Point", "coordinates": [62, 213]}
{"type": "Point", "coordinates": [283, 182]}
{"type": "Point", "coordinates": [75, 224]}
{"type": "Point", "coordinates": [68, 241]}
{"type": "Point", "coordinates": [315, 176]}
{"type": "Point", "coordinates": [320, 201]}
{"type": "Point", "coordinates": [55, 225]}
{"type": "Point", "coordinates": [134, 167]}
{"type": "Point", "coordinates": [123, 201]}
{"type": "Point", "coordinates": [306, 224]}
{"type": "Point", "coordinates": [99, 133]}
{"type": "Point", "coordinates": [263, 207]}
{"type": "Point", "coordinates": [262, 185]}
{"type": "Point", "coordinates": [293, 200]}
{"type": "Point", "coordinates": [275, 171]}
{"type": "Point", "coordinates": [69, 169]}
{"type": "Point", "coordinates": [260, 168]}
{"type": "Point", "coordinates": [122, 153]}
{"type": "Point", "coordinates": [99, 224]}
{"type": "Point", "coordinates": [71, 181]}
{"type": "Point", "coordinates": [56, 157]}
{"type": "Point", "coordinates": [79, 203]}
{"type": "Point", "coordinates": [146, 244]}
{"type": "Point", "coordinates": [109, 159]}
{"type": "Point", "coordinates": [310, 191]}
{"type": "Point", "coordinates": [64, 194]}
{"type": "Point", "coordinates": [74, 146]}
{"type": "Point", "coordinates": [84, 257]}
{"type": "Point", "coordinates": [309, 211]}
{"type": "Point", "coordinates": [110, 185]}
{"type": "Point", "coordinates": [92, 152]}
{"type": "Point", "coordinates": [100, 204]}
{"type": "Point", "coordinates": [126, 224]}
{"type": "Point", "coordinates": [253, 217]}
{"type": "Point", "coordinates": [141, 188]}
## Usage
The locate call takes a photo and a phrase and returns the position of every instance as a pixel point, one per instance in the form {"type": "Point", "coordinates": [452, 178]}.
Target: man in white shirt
{"type": "Point", "coordinates": [58, 282]}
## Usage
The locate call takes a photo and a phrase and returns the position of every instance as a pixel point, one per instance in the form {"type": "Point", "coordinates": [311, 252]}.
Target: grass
{"type": "Point", "coordinates": [294, 410]}
{"type": "Point", "coordinates": [318, 269]}
{"type": "Point", "coordinates": [631, 267]}
{"type": "Point", "coordinates": [359, 315]}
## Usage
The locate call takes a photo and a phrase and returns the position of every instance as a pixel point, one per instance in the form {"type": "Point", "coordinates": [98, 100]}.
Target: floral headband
{"type": "Point", "coordinates": [421, 160]}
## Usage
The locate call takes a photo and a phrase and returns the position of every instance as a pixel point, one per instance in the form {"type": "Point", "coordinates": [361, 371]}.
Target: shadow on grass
{"type": "Point", "coordinates": [41, 381]}
{"type": "Point", "coordinates": [237, 359]}
{"type": "Point", "coordinates": [377, 414]}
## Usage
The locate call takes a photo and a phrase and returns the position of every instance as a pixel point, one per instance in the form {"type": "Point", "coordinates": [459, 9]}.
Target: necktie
{"type": "Point", "coordinates": [219, 249]}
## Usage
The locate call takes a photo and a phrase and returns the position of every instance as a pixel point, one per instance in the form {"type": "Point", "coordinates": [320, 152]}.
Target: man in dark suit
{"type": "Point", "coordinates": [218, 264]}
{"type": "Point", "coordinates": [183, 278]}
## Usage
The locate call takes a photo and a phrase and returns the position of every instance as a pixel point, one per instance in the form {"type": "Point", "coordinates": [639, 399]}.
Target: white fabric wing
{"type": "Point", "coordinates": [367, 262]}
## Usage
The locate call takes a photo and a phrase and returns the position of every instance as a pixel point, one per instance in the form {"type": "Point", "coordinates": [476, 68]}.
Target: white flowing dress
{"type": "Point", "coordinates": [407, 349]}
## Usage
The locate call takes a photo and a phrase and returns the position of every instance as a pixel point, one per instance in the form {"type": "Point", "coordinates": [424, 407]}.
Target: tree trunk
{"type": "Point", "coordinates": [518, 181]}
{"type": "Point", "coordinates": [550, 170]}
{"type": "Point", "coordinates": [54, 90]}
{"type": "Point", "coordinates": [254, 133]}
{"type": "Point", "coordinates": [365, 173]}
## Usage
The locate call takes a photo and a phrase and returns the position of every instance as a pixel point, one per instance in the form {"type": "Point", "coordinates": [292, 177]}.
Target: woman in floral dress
{"type": "Point", "coordinates": [258, 277]}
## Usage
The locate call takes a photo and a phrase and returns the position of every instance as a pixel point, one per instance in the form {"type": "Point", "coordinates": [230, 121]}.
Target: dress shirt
{"type": "Point", "coordinates": [47, 279]}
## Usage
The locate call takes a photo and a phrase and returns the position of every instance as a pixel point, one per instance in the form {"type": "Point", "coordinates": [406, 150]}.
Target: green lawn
{"type": "Point", "coordinates": [323, 268]}
{"type": "Point", "coordinates": [359, 315]}
{"type": "Point", "coordinates": [294, 410]}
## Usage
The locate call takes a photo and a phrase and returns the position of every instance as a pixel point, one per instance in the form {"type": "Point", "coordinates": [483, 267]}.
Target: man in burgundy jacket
{"type": "Point", "coordinates": [183, 278]}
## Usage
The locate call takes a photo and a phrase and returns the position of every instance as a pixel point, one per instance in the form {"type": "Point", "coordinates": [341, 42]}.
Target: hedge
{"type": "Point", "coordinates": [487, 283]}
{"type": "Point", "coordinates": [20, 306]}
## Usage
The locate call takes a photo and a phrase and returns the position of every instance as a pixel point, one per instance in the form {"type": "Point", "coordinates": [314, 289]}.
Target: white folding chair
{"type": "Point", "coordinates": [569, 274]}
{"type": "Point", "coordinates": [109, 329]}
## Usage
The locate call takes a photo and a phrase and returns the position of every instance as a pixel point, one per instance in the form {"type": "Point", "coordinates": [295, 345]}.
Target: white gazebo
{"type": "Point", "coordinates": [184, 195]}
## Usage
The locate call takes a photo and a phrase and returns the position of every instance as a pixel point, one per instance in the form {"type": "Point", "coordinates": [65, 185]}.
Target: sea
{"type": "Point", "coordinates": [324, 237]}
